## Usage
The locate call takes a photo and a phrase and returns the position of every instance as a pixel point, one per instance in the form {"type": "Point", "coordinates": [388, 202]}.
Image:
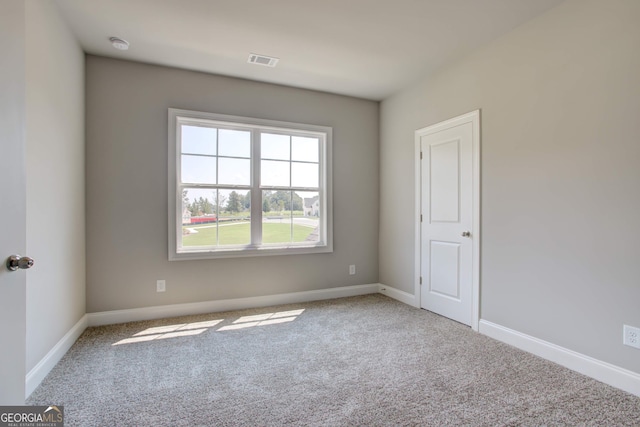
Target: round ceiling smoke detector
{"type": "Point", "coordinates": [118, 43]}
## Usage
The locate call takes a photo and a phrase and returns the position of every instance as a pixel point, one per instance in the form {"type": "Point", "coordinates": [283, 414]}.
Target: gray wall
{"type": "Point", "coordinates": [55, 179]}
{"type": "Point", "coordinates": [127, 187]}
{"type": "Point", "coordinates": [560, 100]}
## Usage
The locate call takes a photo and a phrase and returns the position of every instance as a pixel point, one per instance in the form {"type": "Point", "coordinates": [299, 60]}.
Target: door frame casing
{"type": "Point", "coordinates": [472, 117]}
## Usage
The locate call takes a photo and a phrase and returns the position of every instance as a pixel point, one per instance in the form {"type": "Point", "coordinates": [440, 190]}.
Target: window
{"type": "Point", "coordinates": [244, 187]}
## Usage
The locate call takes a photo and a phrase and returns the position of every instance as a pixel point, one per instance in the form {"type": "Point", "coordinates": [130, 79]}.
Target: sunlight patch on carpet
{"type": "Point", "coordinates": [196, 328]}
{"type": "Point", "coordinates": [263, 320]}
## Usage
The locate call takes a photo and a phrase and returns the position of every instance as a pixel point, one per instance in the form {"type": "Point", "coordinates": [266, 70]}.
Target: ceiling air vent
{"type": "Point", "coordinates": [268, 61]}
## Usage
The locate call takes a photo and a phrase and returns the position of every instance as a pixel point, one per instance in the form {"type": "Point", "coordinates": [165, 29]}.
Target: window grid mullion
{"type": "Point", "coordinates": [291, 216]}
{"type": "Point", "coordinates": [217, 158]}
{"type": "Point", "coordinates": [256, 192]}
{"type": "Point", "coordinates": [217, 217]}
{"type": "Point", "coordinates": [217, 190]}
{"type": "Point", "coordinates": [290, 191]}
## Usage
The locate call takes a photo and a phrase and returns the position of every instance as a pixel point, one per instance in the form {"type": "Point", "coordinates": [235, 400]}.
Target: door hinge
{"type": "Point", "coordinates": [420, 217]}
{"type": "Point", "coordinates": [421, 280]}
{"type": "Point", "coordinates": [421, 155]}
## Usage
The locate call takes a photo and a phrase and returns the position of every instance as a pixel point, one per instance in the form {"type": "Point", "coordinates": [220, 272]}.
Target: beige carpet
{"type": "Point", "coordinates": [362, 361]}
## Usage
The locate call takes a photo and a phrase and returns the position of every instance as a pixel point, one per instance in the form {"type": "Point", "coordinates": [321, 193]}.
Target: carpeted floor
{"type": "Point", "coordinates": [361, 361]}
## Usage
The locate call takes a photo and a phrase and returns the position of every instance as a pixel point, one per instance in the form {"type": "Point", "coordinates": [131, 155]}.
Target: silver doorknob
{"type": "Point", "coordinates": [15, 262]}
{"type": "Point", "coordinates": [466, 234]}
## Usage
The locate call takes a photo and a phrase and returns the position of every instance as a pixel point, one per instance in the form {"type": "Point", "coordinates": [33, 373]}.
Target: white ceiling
{"type": "Point", "coordinates": [364, 48]}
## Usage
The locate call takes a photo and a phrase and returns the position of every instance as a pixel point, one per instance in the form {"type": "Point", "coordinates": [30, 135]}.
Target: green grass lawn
{"type": "Point", "coordinates": [240, 234]}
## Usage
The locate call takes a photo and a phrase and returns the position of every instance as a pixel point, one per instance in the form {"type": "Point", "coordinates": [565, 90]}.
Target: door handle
{"type": "Point", "coordinates": [15, 262]}
{"type": "Point", "coordinates": [466, 234]}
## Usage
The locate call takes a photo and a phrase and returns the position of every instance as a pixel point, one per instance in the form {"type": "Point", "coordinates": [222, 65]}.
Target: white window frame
{"type": "Point", "coordinates": [324, 133]}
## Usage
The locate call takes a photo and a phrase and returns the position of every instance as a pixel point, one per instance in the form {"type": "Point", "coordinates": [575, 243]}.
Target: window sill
{"type": "Point", "coordinates": [245, 252]}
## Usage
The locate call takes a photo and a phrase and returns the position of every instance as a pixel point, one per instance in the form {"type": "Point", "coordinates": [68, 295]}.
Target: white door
{"type": "Point", "coordinates": [449, 218]}
{"type": "Point", "coordinates": [12, 202]}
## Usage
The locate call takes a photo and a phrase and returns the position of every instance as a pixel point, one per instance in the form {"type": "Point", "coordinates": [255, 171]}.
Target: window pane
{"type": "Point", "coordinates": [305, 175]}
{"type": "Point", "coordinates": [305, 149]}
{"type": "Point", "coordinates": [275, 173]}
{"type": "Point", "coordinates": [234, 171]}
{"type": "Point", "coordinates": [198, 140]}
{"type": "Point", "coordinates": [276, 217]}
{"type": "Point", "coordinates": [198, 169]}
{"type": "Point", "coordinates": [199, 221]}
{"type": "Point", "coordinates": [275, 146]}
{"type": "Point", "coordinates": [234, 226]}
{"type": "Point", "coordinates": [234, 143]}
{"type": "Point", "coordinates": [307, 224]}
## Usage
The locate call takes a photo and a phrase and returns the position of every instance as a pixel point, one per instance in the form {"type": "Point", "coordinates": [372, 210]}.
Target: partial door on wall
{"type": "Point", "coordinates": [13, 237]}
{"type": "Point", "coordinates": [448, 242]}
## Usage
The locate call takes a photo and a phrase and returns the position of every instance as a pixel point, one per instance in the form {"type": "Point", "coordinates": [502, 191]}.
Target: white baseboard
{"type": "Point", "coordinates": [164, 311]}
{"type": "Point", "coordinates": [399, 295]}
{"type": "Point", "coordinates": [37, 374]}
{"type": "Point", "coordinates": [602, 371]}
{"type": "Point", "coordinates": [607, 373]}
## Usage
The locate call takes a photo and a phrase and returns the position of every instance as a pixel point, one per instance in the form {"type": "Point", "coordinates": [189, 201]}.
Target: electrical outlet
{"type": "Point", "coordinates": [631, 336]}
{"type": "Point", "coordinates": [352, 270]}
{"type": "Point", "coordinates": [161, 286]}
